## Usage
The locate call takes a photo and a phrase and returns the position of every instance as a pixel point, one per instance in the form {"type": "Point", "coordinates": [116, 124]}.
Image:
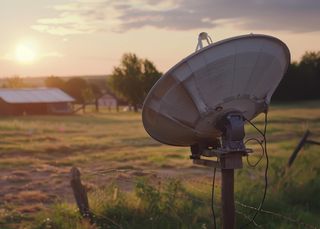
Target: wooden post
{"type": "Point", "coordinates": [227, 197]}
{"type": "Point", "coordinates": [298, 148]}
{"type": "Point", "coordinates": [80, 193]}
{"type": "Point", "coordinates": [313, 142]}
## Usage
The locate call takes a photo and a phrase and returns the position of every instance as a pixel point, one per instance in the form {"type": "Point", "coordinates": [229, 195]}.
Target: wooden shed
{"type": "Point", "coordinates": [35, 101]}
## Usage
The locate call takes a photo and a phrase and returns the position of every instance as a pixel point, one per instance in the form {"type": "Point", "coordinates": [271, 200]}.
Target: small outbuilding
{"type": "Point", "coordinates": [108, 101]}
{"type": "Point", "coordinates": [35, 101]}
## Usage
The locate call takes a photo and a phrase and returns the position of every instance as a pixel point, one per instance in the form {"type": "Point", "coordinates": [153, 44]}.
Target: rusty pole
{"type": "Point", "coordinates": [227, 197]}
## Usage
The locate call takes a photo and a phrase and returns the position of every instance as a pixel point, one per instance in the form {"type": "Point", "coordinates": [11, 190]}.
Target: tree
{"type": "Point", "coordinates": [311, 59]}
{"type": "Point", "coordinates": [302, 79]}
{"type": "Point", "coordinates": [133, 79]}
{"type": "Point", "coordinates": [151, 76]}
{"type": "Point", "coordinates": [96, 93]}
{"type": "Point", "coordinates": [87, 95]}
{"type": "Point", "coordinates": [15, 82]}
{"type": "Point", "coordinates": [309, 70]}
{"type": "Point", "coordinates": [76, 87]}
{"type": "Point", "coordinates": [54, 81]}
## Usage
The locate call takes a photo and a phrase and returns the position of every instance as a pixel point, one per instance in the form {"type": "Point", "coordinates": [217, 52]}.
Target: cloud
{"type": "Point", "coordinates": [78, 18]}
{"type": "Point", "coordinates": [88, 16]}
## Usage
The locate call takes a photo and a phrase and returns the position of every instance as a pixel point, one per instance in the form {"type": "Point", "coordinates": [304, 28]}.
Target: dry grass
{"type": "Point", "coordinates": [37, 152]}
{"type": "Point", "coordinates": [31, 208]}
{"type": "Point", "coordinates": [27, 197]}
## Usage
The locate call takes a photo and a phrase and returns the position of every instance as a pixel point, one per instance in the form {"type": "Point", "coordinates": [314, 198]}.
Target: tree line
{"type": "Point", "coordinates": [129, 83]}
{"type": "Point", "coordinates": [302, 80]}
{"type": "Point", "coordinates": [81, 90]}
{"type": "Point", "coordinates": [132, 79]}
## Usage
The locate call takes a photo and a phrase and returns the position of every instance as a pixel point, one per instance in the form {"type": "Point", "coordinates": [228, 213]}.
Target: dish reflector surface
{"type": "Point", "coordinates": [236, 74]}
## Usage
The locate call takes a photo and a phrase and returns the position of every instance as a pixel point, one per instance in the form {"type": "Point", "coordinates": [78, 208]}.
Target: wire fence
{"type": "Point", "coordinates": [283, 217]}
{"type": "Point", "coordinates": [202, 185]}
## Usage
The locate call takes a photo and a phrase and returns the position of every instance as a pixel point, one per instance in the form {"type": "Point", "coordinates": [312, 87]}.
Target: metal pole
{"type": "Point", "coordinates": [227, 196]}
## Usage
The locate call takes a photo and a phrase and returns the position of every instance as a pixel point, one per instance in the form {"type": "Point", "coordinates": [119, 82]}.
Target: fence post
{"type": "Point", "coordinates": [80, 193]}
{"type": "Point", "coordinates": [298, 148]}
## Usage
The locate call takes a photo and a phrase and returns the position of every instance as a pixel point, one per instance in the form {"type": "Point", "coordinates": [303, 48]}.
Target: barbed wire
{"type": "Point", "coordinates": [248, 218]}
{"type": "Point", "coordinates": [287, 218]}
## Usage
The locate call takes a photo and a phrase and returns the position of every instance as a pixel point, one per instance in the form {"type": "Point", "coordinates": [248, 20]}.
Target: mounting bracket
{"type": "Point", "coordinates": [228, 153]}
{"type": "Point", "coordinates": [229, 150]}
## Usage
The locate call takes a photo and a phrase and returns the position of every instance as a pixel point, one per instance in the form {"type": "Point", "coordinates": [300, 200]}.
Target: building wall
{"type": "Point", "coordinates": [34, 108]}
{"type": "Point", "coordinates": [5, 109]}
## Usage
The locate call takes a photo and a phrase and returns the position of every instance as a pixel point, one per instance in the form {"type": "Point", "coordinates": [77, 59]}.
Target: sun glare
{"type": "Point", "coordinates": [25, 52]}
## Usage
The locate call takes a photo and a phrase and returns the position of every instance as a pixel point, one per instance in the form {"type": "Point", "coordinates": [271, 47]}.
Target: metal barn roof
{"type": "Point", "coordinates": [34, 95]}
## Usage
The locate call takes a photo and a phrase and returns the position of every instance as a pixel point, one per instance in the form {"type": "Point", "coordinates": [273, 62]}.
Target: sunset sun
{"type": "Point", "coordinates": [25, 52]}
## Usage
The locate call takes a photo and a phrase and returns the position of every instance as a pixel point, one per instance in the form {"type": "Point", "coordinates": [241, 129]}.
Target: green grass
{"type": "Point", "coordinates": [114, 152]}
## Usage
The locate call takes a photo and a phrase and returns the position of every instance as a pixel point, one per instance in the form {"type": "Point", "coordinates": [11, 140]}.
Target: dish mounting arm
{"type": "Point", "coordinates": [203, 36]}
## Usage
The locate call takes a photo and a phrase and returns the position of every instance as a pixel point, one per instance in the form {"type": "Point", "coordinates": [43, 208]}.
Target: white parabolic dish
{"type": "Point", "coordinates": [235, 74]}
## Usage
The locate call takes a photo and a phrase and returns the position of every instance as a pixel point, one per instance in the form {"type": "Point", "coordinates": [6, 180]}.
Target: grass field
{"type": "Point", "coordinates": [136, 182]}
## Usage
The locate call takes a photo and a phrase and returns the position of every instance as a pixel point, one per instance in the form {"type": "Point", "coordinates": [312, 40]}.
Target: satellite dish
{"type": "Point", "coordinates": [237, 75]}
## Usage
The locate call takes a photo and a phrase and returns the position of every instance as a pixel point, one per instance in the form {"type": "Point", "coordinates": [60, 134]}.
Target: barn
{"type": "Point", "coordinates": [35, 101]}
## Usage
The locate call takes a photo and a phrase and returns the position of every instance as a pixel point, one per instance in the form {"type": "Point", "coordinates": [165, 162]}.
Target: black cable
{"type": "Point", "coordinates": [254, 126]}
{"type": "Point", "coordinates": [212, 198]}
{"type": "Point", "coordinates": [266, 169]}
{"type": "Point", "coordinates": [262, 150]}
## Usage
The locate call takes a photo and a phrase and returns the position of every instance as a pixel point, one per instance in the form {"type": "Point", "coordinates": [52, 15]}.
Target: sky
{"type": "Point", "coordinates": [88, 37]}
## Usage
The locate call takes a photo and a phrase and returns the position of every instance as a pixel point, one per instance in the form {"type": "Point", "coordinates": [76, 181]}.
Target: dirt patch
{"type": "Point", "coordinates": [28, 209]}
{"type": "Point", "coordinates": [26, 197]}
